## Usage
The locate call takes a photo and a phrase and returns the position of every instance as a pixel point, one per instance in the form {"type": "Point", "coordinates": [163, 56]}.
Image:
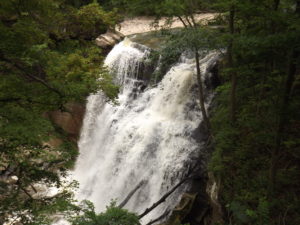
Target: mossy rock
{"type": "Point", "coordinates": [182, 209]}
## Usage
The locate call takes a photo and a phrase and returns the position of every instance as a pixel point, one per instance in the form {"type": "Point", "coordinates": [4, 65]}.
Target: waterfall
{"type": "Point", "coordinates": [148, 135]}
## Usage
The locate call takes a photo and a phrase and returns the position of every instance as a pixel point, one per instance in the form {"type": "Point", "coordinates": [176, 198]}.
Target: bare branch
{"type": "Point", "coordinates": [163, 198]}
{"type": "Point", "coordinates": [182, 21]}
{"type": "Point", "coordinates": [7, 100]}
{"type": "Point", "coordinates": [26, 192]}
{"type": "Point", "coordinates": [124, 202]}
{"type": "Point", "coordinates": [189, 22]}
{"type": "Point", "coordinates": [37, 79]}
{"type": "Point", "coordinates": [159, 218]}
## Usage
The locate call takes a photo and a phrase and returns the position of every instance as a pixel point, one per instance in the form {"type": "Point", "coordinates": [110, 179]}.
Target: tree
{"type": "Point", "coordinates": [184, 10]}
{"type": "Point", "coordinates": [45, 63]}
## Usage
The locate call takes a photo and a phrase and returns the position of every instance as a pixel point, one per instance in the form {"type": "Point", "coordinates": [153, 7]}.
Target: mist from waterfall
{"type": "Point", "coordinates": [148, 135]}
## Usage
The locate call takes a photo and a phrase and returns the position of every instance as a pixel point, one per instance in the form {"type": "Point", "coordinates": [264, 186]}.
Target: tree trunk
{"type": "Point", "coordinates": [232, 99]}
{"type": "Point", "coordinates": [283, 119]}
{"type": "Point", "coordinates": [128, 197]}
{"type": "Point", "coordinates": [276, 4]}
{"type": "Point", "coordinates": [193, 25]}
{"type": "Point", "coordinates": [201, 93]}
{"type": "Point", "coordinates": [283, 113]}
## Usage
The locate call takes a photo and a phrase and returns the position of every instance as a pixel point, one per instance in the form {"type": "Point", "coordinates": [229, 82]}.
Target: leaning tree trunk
{"type": "Point", "coordinates": [191, 23]}
{"type": "Point", "coordinates": [201, 92]}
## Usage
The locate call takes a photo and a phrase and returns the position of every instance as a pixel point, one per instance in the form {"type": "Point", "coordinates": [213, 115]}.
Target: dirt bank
{"type": "Point", "coordinates": [144, 24]}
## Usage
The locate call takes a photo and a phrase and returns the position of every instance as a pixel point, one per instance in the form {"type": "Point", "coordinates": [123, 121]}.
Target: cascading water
{"type": "Point", "coordinates": [147, 136]}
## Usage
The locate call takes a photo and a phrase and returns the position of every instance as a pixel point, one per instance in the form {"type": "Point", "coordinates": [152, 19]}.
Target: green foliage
{"type": "Point", "coordinates": [113, 216]}
{"type": "Point", "coordinates": [137, 7]}
{"type": "Point", "coordinates": [257, 216]}
{"type": "Point", "coordinates": [263, 44]}
{"type": "Point", "coordinates": [46, 62]}
{"type": "Point", "coordinates": [91, 20]}
{"type": "Point", "coordinates": [185, 40]}
{"type": "Point", "coordinates": [160, 7]}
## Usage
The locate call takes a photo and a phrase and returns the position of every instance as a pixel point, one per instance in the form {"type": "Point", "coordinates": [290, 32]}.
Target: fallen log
{"type": "Point", "coordinates": [126, 200]}
{"type": "Point", "coordinates": [165, 196]}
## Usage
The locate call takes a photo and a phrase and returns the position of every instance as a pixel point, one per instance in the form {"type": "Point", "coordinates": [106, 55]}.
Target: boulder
{"type": "Point", "coordinates": [109, 39]}
{"type": "Point", "coordinates": [9, 179]}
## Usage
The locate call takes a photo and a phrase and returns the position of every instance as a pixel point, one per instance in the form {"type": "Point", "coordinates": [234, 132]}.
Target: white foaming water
{"type": "Point", "coordinates": [146, 136]}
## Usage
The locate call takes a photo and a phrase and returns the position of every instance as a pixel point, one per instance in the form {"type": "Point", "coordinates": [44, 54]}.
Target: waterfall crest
{"type": "Point", "coordinates": [147, 136]}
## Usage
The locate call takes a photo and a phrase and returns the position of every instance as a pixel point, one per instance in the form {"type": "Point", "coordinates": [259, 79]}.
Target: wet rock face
{"type": "Point", "coordinates": [214, 81]}
{"type": "Point", "coordinates": [146, 72]}
{"type": "Point", "coordinates": [182, 209]}
{"type": "Point", "coordinates": [71, 121]}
